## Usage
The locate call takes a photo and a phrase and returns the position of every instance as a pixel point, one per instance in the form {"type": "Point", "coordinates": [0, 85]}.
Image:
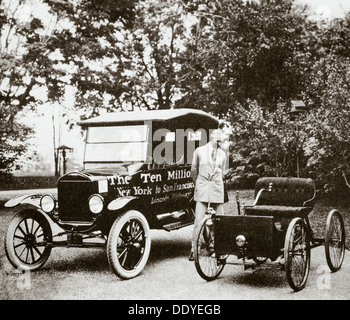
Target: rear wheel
{"type": "Point", "coordinates": [27, 240]}
{"type": "Point", "coordinates": [206, 261]}
{"type": "Point", "coordinates": [297, 254]}
{"type": "Point", "coordinates": [129, 244]}
{"type": "Point", "coordinates": [335, 240]}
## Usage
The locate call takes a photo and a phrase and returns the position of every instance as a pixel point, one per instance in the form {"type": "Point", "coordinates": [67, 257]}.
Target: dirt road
{"type": "Point", "coordinates": [85, 274]}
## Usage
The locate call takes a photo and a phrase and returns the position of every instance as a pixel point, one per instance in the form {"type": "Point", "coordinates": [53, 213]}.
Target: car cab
{"type": "Point", "coordinates": [136, 177]}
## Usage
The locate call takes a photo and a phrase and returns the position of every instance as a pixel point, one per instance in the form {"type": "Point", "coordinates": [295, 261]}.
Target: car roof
{"type": "Point", "coordinates": [150, 115]}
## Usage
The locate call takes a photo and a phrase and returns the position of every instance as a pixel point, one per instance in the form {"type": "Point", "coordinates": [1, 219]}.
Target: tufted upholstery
{"type": "Point", "coordinates": [283, 196]}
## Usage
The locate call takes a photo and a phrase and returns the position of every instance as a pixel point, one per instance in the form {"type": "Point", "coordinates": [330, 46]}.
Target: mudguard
{"type": "Point", "coordinates": [119, 203]}
{"type": "Point", "coordinates": [32, 199]}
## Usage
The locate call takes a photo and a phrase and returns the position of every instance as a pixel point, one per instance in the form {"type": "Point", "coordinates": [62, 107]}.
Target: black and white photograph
{"type": "Point", "coordinates": [174, 155]}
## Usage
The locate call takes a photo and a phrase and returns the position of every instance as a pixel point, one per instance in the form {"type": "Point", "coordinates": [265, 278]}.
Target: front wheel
{"type": "Point", "coordinates": [335, 240]}
{"type": "Point", "coordinates": [206, 261]}
{"type": "Point", "coordinates": [27, 240]}
{"type": "Point", "coordinates": [297, 254]}
{"type": "Point", "coordinates": [129, 244]}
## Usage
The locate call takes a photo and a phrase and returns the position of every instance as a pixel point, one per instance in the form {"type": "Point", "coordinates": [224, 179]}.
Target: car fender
{"type": "Point", "coordinates": [32, 199]}
{"type": "Point", "coordinates": [120, 203]}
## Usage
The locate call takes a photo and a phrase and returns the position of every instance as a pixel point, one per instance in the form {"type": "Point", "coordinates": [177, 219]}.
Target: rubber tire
{"type": "Point", "coordinates": [9, 248]}
{"type": "Point", "coordinates": [196, 255]}
{"type": "Point", "coordinates": [328, 240]}
{"type": "Point", "coordinates": [112, 241]}
{"type": "Point", "coordinates": [293, 285]}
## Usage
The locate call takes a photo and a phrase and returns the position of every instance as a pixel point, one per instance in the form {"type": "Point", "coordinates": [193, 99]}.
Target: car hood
{"type": "Point", "coordinates": [101, 173]}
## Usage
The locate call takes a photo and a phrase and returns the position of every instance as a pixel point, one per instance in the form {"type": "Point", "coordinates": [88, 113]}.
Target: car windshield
{"type": "Point", "coordinates": [116, 144]}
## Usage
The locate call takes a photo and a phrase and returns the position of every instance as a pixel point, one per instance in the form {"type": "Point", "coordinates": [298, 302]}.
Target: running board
{"type": "Point", "coordinates": [176, 226]}
{"type": "Point", "coordinates": [65, 244]}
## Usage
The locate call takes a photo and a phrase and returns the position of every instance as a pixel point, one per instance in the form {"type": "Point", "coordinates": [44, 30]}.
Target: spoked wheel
{"type": "Point", "coordinates": [335, 240]}
{"type": "Point", "coordinates": [27, 240]}
{"type": "Point", "coordinates": [297, 254]}
{"type": "Point", "coordinates": [206, 261]}
{"type": "Point", "coordinates": [129, 244]}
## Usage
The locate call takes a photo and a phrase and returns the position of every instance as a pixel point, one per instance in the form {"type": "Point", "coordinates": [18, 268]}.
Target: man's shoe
{"type": "Point", "coordinates": [191, 257]}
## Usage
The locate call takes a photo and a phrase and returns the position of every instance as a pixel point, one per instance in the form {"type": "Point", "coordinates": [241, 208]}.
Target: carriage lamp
{"type": "Point", "coordinates": [47, 203]}
{"type": "Point", "coordinates": [96, 203]}
{"type": "Point", "coordinates": [240, 240]}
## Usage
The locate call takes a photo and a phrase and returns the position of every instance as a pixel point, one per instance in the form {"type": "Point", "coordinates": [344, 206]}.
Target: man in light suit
{"type": "Point", "coordinates": [208, 168]}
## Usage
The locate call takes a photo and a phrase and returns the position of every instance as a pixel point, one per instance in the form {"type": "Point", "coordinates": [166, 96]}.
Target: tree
{"type": "Point", "coordinates": [249, 50]}
{"type": "Point", "coordinates": [157, 51]}
{"type": "Point", "coordinates": [21, 66]}
{"type": "Point", "coordinates": [12, 139]}
{"type": "Point", "coordinates": [41, 55]}
{"type": "Point", "coordinates": [266, 143]}
{"type": "Point", "coordinates": [328, 124]}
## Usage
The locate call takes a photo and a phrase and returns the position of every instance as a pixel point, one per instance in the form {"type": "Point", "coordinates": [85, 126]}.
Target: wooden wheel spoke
{"type": "Point", "coordinates": [334, 241]}
{"type": "Point", "coordinates": [297, 253]}
{"type": "Point", "coordinates": [138, 235]}
{"type": "Point", "coordinates": [22, 251]}
{"type": "Point", "coordinates": [37, 250]}
{"type": "Point", "coordinates": [124, 259]}
{"type": "Point", "coordinates": [32, 254]}
{"type": "Point", "coordinates": [37, 229]}
{"type": "Point", "coordinates": [19, 245]}
{"type": "Point", "coordinates": [27, 255]}
{"type": "Point", "coordinates": [26, 225]}
{"type": "Point", "coordinates": [32, 227]}
{"type": "Point", "coordinates": [20, 229]}
{"type": "Point", "coordinates": [23, 248]}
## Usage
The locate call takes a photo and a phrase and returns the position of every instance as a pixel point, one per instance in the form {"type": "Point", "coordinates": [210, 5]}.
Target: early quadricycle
{"type": "Point", "coordinates": [273, 232]}
{"type": "Point", "coordinates": [136, 177]}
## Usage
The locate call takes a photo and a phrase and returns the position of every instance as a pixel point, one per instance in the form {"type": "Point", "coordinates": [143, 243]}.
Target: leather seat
{"type": "Point", "coordinates": [282, 197]}
{"type": "Point", "coordinates": [277, 211]}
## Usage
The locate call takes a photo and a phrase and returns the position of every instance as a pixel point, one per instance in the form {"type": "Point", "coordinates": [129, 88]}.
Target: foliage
{"type": "Point", "coordinates": [20, 69]}
{"type": "Point", "coordinates": [248, 51]}
{"type": "Point", "coordinates": [12, 139]}
{"type": "Point", "coordinates": [254, 58]}
{"type": "Point", "coordinates": [41, 54]}
{"type": "Point", "coordinates": [158, 49]}
{"type": "Point", "coordinates": [91, 52]}
{"type": "Point", "coordinates": [328, 124]}
{"type": "Point", "coordinates": [244, 61]}
{"type": "Point", "coordinates": [265, 143]}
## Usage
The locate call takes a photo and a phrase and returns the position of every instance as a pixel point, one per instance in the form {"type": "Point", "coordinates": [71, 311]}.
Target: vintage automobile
{"type": "Point", "coordinates": [136, 177]}
{"type": "Point", "coordinates": [273, 232]}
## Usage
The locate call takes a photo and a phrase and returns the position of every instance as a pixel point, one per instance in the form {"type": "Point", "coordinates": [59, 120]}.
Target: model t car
{"type": "Point", "coordinates": [136, 177]}
{"type": "Point", "coordinates": [273, 232]}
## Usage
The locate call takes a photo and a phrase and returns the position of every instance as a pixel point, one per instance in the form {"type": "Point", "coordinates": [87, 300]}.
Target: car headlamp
{"type": "Point", "coordinates": [47, 203]}
{"type": "Point", "coordinates": [96, 203]}
{"type": "Point", "coordinates": [240, 240]}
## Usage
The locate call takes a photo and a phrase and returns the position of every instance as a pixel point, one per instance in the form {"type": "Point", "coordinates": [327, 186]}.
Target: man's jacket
{"type": "Point", "coordinates": [207, 173]}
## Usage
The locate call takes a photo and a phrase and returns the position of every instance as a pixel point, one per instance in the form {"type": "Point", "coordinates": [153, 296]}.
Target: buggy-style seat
{"type": "Point", "coordinates": [282, 197]}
